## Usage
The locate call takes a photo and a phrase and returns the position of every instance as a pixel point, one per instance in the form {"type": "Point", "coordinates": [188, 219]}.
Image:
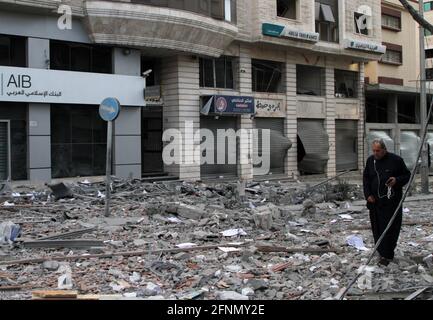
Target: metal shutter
{"type": "Point", "coordinates": [430, 144]}
{"type": "Point", "coordinates": [279, 144]}
{"type": "Point", "coordinates": [315, 141]}
{"type": "Point", "coordinates": [374, 134]}
{"type": "Point", "coordinates": [207, 122]}
{"type": "Point", "coordinates": [346, 144]}
{"type": "Point", "coordinates": [410, 144]}
{"type": "Point", "coordinates": [4, 151]}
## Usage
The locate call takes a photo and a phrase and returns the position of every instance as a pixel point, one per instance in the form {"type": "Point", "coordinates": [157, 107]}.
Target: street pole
{"type": "Point", "coordinates": [108, 168]}
{"type": "Point", "coordinates": [423, 107]}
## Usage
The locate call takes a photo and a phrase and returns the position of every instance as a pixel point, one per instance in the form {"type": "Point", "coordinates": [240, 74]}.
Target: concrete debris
{"type": "Point", "coordinates": [194, 241]}
{"type": "Point", "coordinates": [231, 295]}
{"type": "Point", "coordinates": [9, 232]}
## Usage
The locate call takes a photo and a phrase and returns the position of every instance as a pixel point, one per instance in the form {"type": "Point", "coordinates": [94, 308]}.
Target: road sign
{"type": "Point", "coordinates": [109, 109]}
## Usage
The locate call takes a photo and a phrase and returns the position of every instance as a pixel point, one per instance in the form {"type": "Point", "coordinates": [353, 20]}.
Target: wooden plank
{"type": "Point", "coordinates": [54, 294]}
{"type": "Point", "coordinates": [416, 293]}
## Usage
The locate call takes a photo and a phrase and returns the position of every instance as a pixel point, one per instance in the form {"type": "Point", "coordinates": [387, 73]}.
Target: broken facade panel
{"type": "Point", "coordinates": [315, 146]}
{"type": "Point", "coordinates": [278, 147]}
{"type": "Point", "coordinates": [346, 144]}
{"type": "Point", "coordinates": [410, 144]}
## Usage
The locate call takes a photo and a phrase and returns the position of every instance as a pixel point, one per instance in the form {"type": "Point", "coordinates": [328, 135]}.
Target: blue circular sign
{"type": "Point", "coordinates": [109, 109]}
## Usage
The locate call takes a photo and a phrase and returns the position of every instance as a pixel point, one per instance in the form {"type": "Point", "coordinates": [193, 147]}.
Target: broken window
{"type": "Point", "coordinates": [361, 23]}
{"type": "Point", "coordinates": [310, 80]}
{"type": "Point", "coordinates": [408, 110]}
{"type": "Point", "coordinates": [377, 109]}
{"type": "Point", "coordinates": [12, 51]}
{"type": "Point", "coordinates": [326, 16]}
{"type": "Point", "coordinates": [429, 74]}
{"type": "Point", "coordinates": [217, 73]}
{"type": "Point", "coordinates": [287, 8]}
{"type": "Point", "coordinates": [80, 57]}
{"type": "Point", "coordinates": [78, 141]}
{"type": "Point", "coordinates": [346, 84]}
{"type": "Point", "coordinates": [267, 76]}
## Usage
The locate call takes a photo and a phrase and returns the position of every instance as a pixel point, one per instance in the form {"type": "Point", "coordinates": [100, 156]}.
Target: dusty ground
{"type": "Point", "coordinates": [156, 218]}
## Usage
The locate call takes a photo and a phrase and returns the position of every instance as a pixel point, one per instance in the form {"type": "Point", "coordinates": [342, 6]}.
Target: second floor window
{"type": "Point", "coordinates": [310, 80]}
{"type": "Point", "coordinates": [361, 23]}
{"type": "Point", "coordinates": [217, 9]}
{"type": "Point", "coordinates": [267, 76]}
{"type": "Point", "coordinates": [12, 51]}
{"type": "Point", "coordinates": [326, 15]}
{"type": "Point", "coordinates": [217, 73]}
{"type": "Point", "coordinates": [346, 84]}
{"type": "Point", "coordinates": [80, 57]}
{"type": "Point", "coordinates": [391, 22]}
{"type": "Point", "coordinates": [287, 8]}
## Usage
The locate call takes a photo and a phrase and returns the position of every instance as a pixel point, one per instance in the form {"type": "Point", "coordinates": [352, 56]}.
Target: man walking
{"type": "Point", "coordinates": [385, 175]}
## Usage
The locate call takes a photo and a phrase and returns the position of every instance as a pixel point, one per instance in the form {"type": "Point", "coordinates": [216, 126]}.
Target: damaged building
{"type": "Point", "coordinates": [298, 68]}
{"type": "Point", "coordinates": [393, 86]}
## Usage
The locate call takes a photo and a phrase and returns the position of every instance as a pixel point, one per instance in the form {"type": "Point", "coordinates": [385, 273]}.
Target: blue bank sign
{"type": "Point", "coordinates": [229, 105]}
{"type": "Point", "coordinates": [279, 31]}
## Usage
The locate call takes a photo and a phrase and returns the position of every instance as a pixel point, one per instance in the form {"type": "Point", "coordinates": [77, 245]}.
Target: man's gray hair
{"type": "Point", "coordinates": [379, 142]}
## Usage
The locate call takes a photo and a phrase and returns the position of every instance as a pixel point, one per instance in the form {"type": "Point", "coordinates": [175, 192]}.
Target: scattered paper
{"type": "Point", "coordinates": [228, 249]}
{"type": "Point", "coordinates": [174, 220]}
{"type": "Point", "coordinates": [86, 182]}
{"type": "Point", "coordinates": [346, 216]}
{"type": "Point", "coordinates": [406, 210]}
{"type": "Point", "coordinates": [16, 194]}
{"type": "Point", "coordinates": [357, 242]}
{"type": "Point", "coordinates": [186, 245]}
{"type": "Point", "coordinates": [100, 194]}
{"type": "Point", "coordinates": [8, 204]}
{"type": "Point", "coordinates": [233, 232]}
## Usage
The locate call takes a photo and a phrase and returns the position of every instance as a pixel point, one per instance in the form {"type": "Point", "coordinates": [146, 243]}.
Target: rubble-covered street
{"type": "Point", "coordinates": [178, 240]}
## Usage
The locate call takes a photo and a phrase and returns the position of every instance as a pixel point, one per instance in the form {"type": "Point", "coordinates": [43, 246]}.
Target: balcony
{"type": "Point", "coordinates": [151, 26]}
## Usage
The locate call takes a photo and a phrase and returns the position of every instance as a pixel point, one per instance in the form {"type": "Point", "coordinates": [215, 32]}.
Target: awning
{"type": "Point", "coordinates": [327, 13]}
{"type": "Point", "coordinates": [228, 105]}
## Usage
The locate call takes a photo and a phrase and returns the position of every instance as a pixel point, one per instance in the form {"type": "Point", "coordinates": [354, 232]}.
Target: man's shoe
{"type": "Point", "coordinates": [384, 261]}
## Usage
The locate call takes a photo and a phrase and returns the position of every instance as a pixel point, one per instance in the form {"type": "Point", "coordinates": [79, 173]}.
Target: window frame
{"type": "Point", "coordinates": [202, 71]}
{"type": "Point", "coordinates": [254, 76]}
{"type": "Point", "coordinates": [354, 77]}
{"type": "Point", "coordinates": [296, 15]}
{"type": "Point", "coordinates": [328, 30]}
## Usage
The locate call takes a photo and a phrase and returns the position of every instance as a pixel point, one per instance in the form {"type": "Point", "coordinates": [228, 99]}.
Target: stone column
{"type": "Point", "coordinates": [245, 170]}
{"type": "Point", "coordinates": [331, 170]}
{"type": "Point", "coordinates": [291, 118]}
{"type": "Point", "coordinates": [39, 118]}
{"type": "Point", "coordinates": [127, 128]}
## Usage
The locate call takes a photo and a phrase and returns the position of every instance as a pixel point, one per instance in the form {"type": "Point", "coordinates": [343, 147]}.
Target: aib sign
{"type": "Point", "coordinates": [16, 85]}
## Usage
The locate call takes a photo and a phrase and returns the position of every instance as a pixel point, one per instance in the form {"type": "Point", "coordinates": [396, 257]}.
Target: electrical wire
{"type": "Point", "coordinates": [412, 177]}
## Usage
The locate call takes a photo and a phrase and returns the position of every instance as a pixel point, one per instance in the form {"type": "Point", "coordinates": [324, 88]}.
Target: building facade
{"type": "Point", "coordinates": [294, 67]}
{"type": "Point", "coordinates": [393, 83]}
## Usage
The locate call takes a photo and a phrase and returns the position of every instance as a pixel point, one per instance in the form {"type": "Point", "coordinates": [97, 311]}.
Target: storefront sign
{"type": "Point", "coordinates": [229, 105]}
{"type": "Point", "coordinates": [52, 86]}
{"type": "Point", "coordinates": [275, 30]}
{"type": "Point", "coordinates": [364, 46]}
{"type": "Point", "coordinates": [270, 108]}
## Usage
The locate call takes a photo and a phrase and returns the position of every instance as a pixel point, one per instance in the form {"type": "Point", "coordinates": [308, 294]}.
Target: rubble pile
{"type": "Point", "coordinates": [229, 241]}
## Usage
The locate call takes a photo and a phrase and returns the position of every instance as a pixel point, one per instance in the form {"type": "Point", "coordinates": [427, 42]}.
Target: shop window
{"type": "Point", "coordinates": [326, 16]}
{"type": "Point", "coordinates": [80, 57]}
{"type": "Point", "coordinates": [267, 76]}
{"type": "Point", "coordinates": [12, 51]}
{"type": "Point", "coordinates": [377, 109]}
{"type": "Point", "coordinates": [217, 73]}
{"type": "Point", "coordinates": [16, 114]}
{"type": "Point", "coordinates": [346, 84]}
{"type": "Point", "coordinates": [78, 141]}
{"type": "Point", "coordinates": [287, 9]}
{"type": "Point", "coordinates": [310, 80]}
{"type": "Point", "coordinates": [408, 110]}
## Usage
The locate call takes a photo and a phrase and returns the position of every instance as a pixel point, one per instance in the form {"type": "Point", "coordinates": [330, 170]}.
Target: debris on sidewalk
{"type": "Point", "coordinates": [188, 241]}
